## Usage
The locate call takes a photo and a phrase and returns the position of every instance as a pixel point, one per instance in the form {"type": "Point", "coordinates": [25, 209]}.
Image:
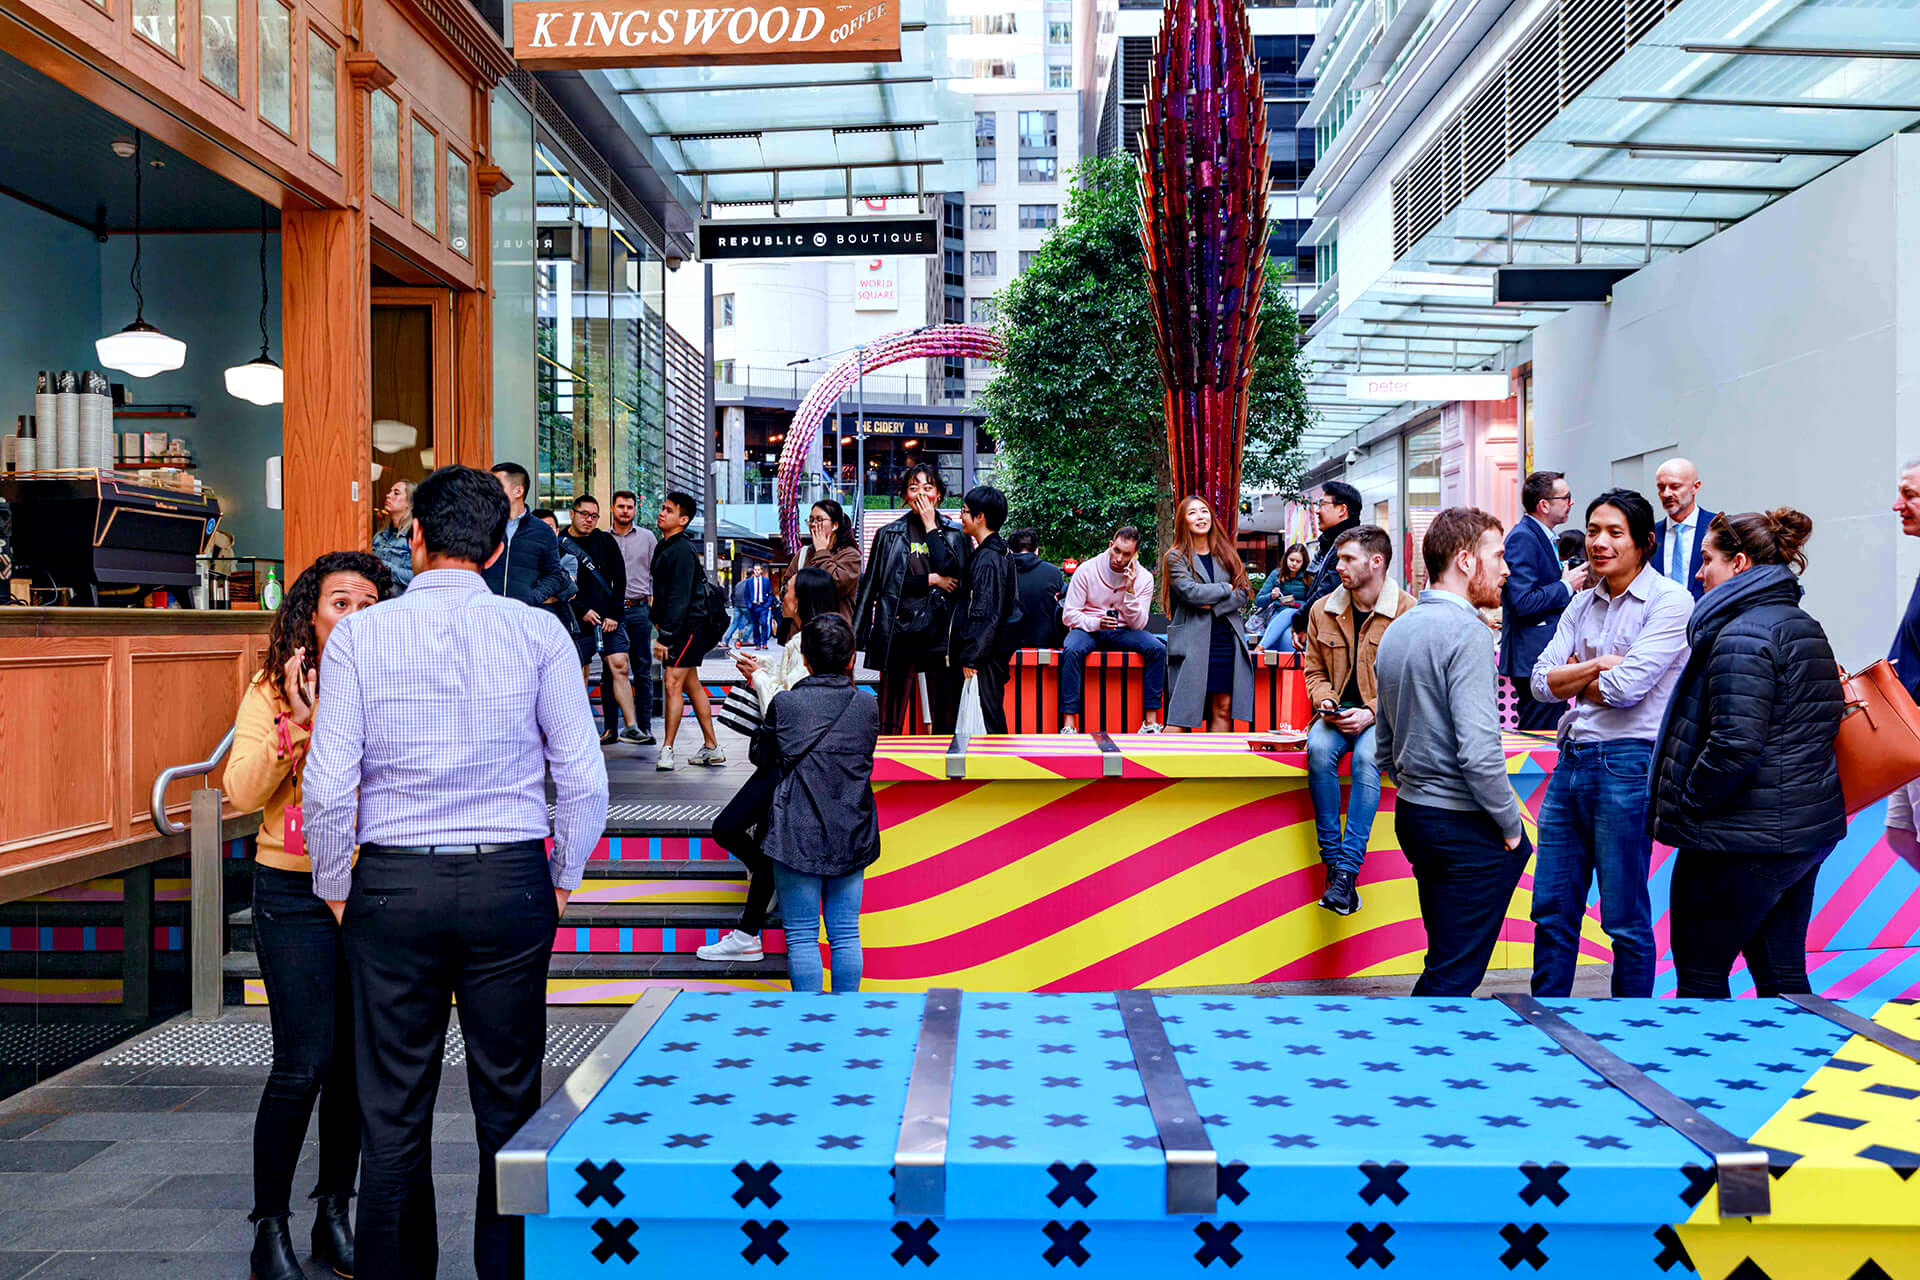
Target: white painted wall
{"type": "Point", "coordinates": [1783, 357]}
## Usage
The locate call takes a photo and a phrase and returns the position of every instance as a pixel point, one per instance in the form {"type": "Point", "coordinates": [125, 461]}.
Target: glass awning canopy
{"type": "Point", "coordinates": [750, 135]}
{"type": "Point", "coordinates": [1725, 107]}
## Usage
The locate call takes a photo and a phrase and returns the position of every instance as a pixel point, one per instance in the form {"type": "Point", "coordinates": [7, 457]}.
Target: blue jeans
{"type": "Point", "coordinates": [742, 625]}
{"type": "Point", "coordinates": [762, 625]}
{"type": "Point", "coordinates": [1594, 822]}
{"type": "Point", "coordinates": [802, 898]}
{"type": "Point", "coordinates": [1279, 633]}
{"type": "Point", "coordinates": [1073, 665]}
{"type": "Point", "coordinates": [1326, 746]}
{"type": "Point", "coordinates": [639, 628]}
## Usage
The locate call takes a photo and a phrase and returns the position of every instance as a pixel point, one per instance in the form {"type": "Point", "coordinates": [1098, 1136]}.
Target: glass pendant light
{"type": "Point", "coordinates": [139, 349]}
{"type": "Point", "coordinates": [259, 380]}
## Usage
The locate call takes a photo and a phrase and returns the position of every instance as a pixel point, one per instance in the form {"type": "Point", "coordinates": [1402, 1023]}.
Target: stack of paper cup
{"type": "Point", "coordinates": [66, 423]}
{"type": "Point", "coordinates": [97, 421]}
{"type": "Point", "coordinates": [25, 456]}
{"type": "Point", "coordinates": [44, 414]}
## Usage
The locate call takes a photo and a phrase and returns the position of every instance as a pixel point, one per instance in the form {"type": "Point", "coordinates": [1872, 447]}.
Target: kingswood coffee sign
{"type": "Point", "coordinates": [559, 34]}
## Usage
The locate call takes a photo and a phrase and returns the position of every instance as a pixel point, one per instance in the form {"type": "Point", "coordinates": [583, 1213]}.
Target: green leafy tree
{"type": "Point", "coordinates": [1076, 408]}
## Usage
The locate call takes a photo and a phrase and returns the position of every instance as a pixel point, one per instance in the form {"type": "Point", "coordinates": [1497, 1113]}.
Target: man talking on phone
{"type": "Point", "coordinates": [1106, 608]}
{"type": "Point", "coordinates": [445, 711]}
{"type": "Point", "coordinates": [1343, 636]}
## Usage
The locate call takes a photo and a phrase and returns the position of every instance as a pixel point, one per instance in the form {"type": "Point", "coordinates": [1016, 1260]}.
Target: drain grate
{"type": "Point", "coordinates": [250, 1044]}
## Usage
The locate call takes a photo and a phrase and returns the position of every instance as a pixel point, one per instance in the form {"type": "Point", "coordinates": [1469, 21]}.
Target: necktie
{"type": "Point", "coordinates": [1678, 535]}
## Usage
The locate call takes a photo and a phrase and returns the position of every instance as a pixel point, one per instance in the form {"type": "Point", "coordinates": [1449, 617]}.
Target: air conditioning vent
{"type": "Point", "coordinates": [1483, 135]}
{"type": "Point", "coordinates": [1592, 38]}
{"type": "Point", "coordinates": [1418, 205]}
{"type": "Point", "coordinates": [1533, 85]}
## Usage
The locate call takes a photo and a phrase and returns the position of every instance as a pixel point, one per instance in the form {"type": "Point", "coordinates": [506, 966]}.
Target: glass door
{"type": "Point", "coordinates": [412, 389]}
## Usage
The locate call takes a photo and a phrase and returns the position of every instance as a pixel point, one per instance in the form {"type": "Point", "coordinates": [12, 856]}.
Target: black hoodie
{"type": "Point", "coordinates": [1041, 586]}
{"type": "Point", "coordinates": [1745, 760]}
{"type": "Point", "coordinates": [1323, 575]}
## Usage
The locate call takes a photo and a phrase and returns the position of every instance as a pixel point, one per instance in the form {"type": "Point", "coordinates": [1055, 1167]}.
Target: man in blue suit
{"type": "Point", "coordinates": [1537, 592]}
{"type": "Point", "coordinates": [1677, 539]}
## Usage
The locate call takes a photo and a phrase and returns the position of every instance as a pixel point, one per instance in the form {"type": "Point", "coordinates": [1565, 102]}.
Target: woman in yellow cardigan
{"type": "Point", "coordinates": [298, 942]}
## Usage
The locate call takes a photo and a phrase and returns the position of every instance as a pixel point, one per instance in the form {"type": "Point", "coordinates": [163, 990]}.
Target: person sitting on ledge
{"type": "Point", "coordinates": [1106, 608]}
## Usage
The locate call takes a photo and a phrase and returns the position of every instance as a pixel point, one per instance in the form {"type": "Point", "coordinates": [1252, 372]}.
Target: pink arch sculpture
{"type": "Point", "coordinates": [909, 344]}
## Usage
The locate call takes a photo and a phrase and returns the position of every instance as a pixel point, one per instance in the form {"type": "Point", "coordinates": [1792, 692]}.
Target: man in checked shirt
{"type": "Point", "coordinates": [430, 750]}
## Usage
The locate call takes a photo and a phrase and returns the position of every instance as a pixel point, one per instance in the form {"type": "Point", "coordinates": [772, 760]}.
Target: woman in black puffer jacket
{"type": "Point", "coordinates": [1746, 786]}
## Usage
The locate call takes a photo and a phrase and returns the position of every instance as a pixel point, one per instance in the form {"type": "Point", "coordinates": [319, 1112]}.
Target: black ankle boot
{"type": "Point", "coordinates": [273, 1257]}
{"type": "Point", "coordinates": [333, 1234]}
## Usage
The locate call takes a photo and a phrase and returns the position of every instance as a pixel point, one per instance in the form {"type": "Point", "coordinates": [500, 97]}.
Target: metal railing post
{"type": "Point", "coordinates": [208, 911]}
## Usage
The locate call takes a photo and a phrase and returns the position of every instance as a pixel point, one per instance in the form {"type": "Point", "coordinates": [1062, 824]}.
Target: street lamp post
{"type": "Point", "coordinates": [860, 447]}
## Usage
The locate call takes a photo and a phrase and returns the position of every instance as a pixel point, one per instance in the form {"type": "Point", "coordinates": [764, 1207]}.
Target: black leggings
{"type": "Point", "coordinates": [1731, 904]}
{"type": "Point", "coordinates": [311, 1005]}
{"type": "Point", "coordinates": [738, 829]}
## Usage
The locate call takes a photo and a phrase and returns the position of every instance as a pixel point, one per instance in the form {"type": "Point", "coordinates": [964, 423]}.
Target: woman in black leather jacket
{"type": "Point", "coordinates": [908, 598]}
{"type": "Point", "coordinates": [1746, 786]}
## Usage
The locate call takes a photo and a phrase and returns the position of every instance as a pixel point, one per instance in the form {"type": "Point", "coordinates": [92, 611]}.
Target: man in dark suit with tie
{"type": "Point", "coordinates": [1677, 539]}
{"type": "Point", "coordinates": [1537, 592]}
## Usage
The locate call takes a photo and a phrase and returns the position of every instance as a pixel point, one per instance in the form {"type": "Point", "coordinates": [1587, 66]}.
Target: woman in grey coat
{"type": "Point", "coordinates": [1209, 675]}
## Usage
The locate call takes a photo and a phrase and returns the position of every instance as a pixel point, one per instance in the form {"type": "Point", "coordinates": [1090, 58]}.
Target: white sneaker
{"type": "Point", "coordinates": [708, 756]}
{"type": "Point", "coordinates": [735, 946]}
{"type": "Point", "coordinates": [665, 761]}
{"type": "Point", "coordinates": [1154, 726]}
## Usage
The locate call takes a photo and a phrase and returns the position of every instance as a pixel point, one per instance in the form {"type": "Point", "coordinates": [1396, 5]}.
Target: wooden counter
{"type": "Point", "coordinates": [94, 703]}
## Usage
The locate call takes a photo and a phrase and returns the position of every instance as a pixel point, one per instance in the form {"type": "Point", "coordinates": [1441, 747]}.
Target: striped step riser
{"type": "Point", "coordinates": [641, 848]}
{"type": "Point", "coordinates": [111, 891]}
{"type": "Point", "coordinates": [84, 938]}
{"type": "Point", "coordinates": [621, 941]}
{"type": "Point", "coordinates": [661, 892]}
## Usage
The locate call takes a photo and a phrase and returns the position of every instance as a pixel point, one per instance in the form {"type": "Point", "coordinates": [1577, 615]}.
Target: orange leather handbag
{"type": "Point", "coordinates": [1879, 739]}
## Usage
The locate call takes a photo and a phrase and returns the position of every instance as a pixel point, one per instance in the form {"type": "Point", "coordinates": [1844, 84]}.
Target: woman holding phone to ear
{"type": "Point", "coordinates": [298, 942]}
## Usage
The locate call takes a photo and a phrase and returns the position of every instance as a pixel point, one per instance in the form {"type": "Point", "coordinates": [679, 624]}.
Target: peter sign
{"type": "Point", "coordinates": [577, 34]}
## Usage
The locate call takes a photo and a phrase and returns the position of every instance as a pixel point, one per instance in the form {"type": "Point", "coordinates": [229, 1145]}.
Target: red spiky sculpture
{"type": "Point", "coordinates": [1203, 213]}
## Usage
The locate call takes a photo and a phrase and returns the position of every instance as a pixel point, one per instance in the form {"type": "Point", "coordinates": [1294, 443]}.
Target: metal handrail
{"type": "Point", "coordinates": [161, 822]}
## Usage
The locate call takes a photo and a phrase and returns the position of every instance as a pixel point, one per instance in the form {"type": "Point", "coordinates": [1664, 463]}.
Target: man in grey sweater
{"type": "Point", "coordinates": [1438, 736]}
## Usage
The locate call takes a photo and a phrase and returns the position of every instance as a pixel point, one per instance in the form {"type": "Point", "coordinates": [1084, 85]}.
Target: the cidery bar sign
{"type": "Point", "coordinates": [560, 34]}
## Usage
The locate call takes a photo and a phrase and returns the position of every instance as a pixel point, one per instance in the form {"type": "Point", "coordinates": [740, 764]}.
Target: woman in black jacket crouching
{"type": "Point", "coordinates": [1746, 786]}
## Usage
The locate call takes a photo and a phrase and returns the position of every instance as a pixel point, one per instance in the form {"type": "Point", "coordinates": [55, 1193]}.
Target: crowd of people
{"type": "Point", "coordinates": [403, 860]}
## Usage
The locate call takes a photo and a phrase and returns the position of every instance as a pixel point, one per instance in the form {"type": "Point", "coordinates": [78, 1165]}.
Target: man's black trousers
{"type": "Point", "coordinates": [421, 931]}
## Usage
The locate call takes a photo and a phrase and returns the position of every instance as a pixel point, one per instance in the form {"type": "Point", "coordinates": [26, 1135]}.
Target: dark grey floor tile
{"type": "Point", "coordinates": [166, 1158]}
{"type": "Point", "coordinates": [237, 1098]}
{"type": "Point", "coordinates": [75, 1189]}
{"type": "Point", "coordinates": [118, 1229]}
{"type": "Point", "coordinates": [204, 1075]}
{"type": "Point", "coordinates": [178, 1265]}
{"type": "Point", "coordinates": [15, 1265]}
{"type": "Point", "coordinates": [159, 1127]}
{"type": "Point", "coordinates": [453, 1127]}
{"type": "Point", "coordinates": [116, 1099]}
{"type": "Point", "coordinates": [20, 1124]}
{"type": "Point", "coordinates": [100, 1073]}
{"type": "Point", "coordinates": [456, 1157]}
{"type": "Point", "coordinates": [37, 1155]}
{"type": "Point", "coordinates": [197, 1191]}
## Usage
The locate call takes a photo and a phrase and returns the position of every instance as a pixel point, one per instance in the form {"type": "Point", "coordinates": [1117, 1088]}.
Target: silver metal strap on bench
{"type": "Point", "coordinates": [1841, 1016]}
{"type": "Point", "coordinates": [1739, 1166]}
{"type": "Point", "coordinates": [957, 756]}
{"type": "Point", "coordinates": [520, 1170]}
{"type": "Point", "coordinates": [920, 1155]}
{"type": "Point", "coordinates": [1193, 1179]}
{"type": "Point", "coordinates": [1112, 763]}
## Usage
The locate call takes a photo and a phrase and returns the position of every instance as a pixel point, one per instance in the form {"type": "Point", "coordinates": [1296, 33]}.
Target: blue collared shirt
{"type": "Point", "coordinates": [443, 712]}
{"type": "Point", "coordinates": [1647, 625]}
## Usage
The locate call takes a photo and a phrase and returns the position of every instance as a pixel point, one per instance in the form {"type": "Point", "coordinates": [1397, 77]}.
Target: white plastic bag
{"type": "Point", "coordinates": [970, 723]}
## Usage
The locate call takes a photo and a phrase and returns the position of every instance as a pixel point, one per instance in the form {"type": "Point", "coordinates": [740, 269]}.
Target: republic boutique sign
{"type": "Point", "coordinates": [576, 34]}
{"type": "Point", "coordinates": [728, 239]}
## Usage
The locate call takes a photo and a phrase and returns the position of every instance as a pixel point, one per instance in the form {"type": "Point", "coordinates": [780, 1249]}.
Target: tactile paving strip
{"type": "Point", "coordinates": [250, 1044]}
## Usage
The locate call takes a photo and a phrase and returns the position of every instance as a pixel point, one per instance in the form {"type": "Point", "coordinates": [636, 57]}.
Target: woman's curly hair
{"type": "Point", "coordinates": [293, 624]}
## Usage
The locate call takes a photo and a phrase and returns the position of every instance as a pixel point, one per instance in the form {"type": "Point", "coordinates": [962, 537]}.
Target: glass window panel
{"type": "Point", "coordinates": [386, 148]}
{"type": "Point", "coordinates": [1059, 33]}
{"type": "Point", "coordinates": [1026, 258]}
{"type": "Point", "coordinates": [985, 263]}
{"type": "Point", "coordinates": [1039, 169]}
{"type": "Point", "coordinates": [981, 310]}
{"type": "Point", "coordinates": [985, 217]}
{"type": "Point", "coordinates": [276, 65]}
{"type": "Point", "coordinates": [1059, 77]}
{"type": "Point", "coordinates": [220, 45]}
{"type": "Point", "coordinates": [1039, 129]}
{"type": "Point", "coordinates": [983, 130]}
{"type": "Point", "coordinates": [426, 213]}
{"type": "Point", "coordinates": [459, 225]}
{"type": "Point", "coordinates": [1039, 217]}
{"type": "Point", "coordinates": [158, 21]}
{"type": "Point", "coordinates": [986, 173]}
{"type": "Point", "coordinates": [322, 70]}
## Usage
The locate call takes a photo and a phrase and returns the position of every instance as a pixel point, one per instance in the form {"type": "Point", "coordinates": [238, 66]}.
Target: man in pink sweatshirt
{"type": "Point", "coordinates": [1106, 608]}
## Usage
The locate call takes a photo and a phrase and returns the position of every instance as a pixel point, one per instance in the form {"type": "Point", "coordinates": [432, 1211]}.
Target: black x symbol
{"type": "Point", "coordinates": [1447, 1140]}
{"type": "Point", "coordinates": [629, 1117]}
{"type": "Point", "coordinates": [1356, 1033]}
{"type": "Point", "coordinates": [1066, 1246]}
{"type": "Point", "coordinates": [695, 1140]}
{"type": "Point", "coordinates": [1671, 1250]}
{"type": "Point", "coordinates": [992, 1099]}
{"type": "Point", "coordinates": [703, 1017]}
{"type": "Point", "coordinates": [1060, 1082]}
{"type": "Point", "coordinates": [764, 1242]}
{"type": "Point", "coordinates": [993, 1064]}
{"type": "Point", "coordinates": [1417, 1100]}
{"type": "Point", "coordinates": [1432, 1050]}
{"type": "Point", "coordinates": [1510, 1067]}
{"type": "Point", "coordinates": [1383, 1180]}
{"type": "Point", "coordinates": [1504, 1122]}
{"type": "Point", "coordinates": [1602, 1142]}
{"type": "Point", "coordinates": [1465, 1084]}
{"type": "Point", "coordinates": [871, 1031]}
{"type": "Point", "coordinates": [779, 1118]}
{"type": "Point", "coordinates": [797, 1082]}
{"type": "Point", "coordinates": [1217, 1005]}
{"type": "Point", "coordinates": [734, 1062]}
{"type": "Point", "coordinates": [817, 1017]}
{"type": "Point", "coordinates": [1000, 1142]}
{"type": "Point", "coordinates": [660, 1080]}
{"type": "Point", "coordinates": [801, 1046]}
{"type": "Point", "coordinates": [1227, 1181]}
{"type": "Point", "coordinates": [1052, 1018]}
{"type": "Point", "coordinates": [993, 1033]}
{"type": "Point", "coordinates": [828, 1142]}
{"type": "Point", "coordinates": [1699, 1181]}
{"type": "Point", "coordinates": [756, 1184]}
{"type": "Point", "coordinates": [598, 1182]}
{"type": "Point", "coordinates": [680, 1046]}
{"type": "Point", "coordinates": [1255, 1065]}
{"type": "Point", "coordinates": [712, 1099]}
{"type": "Point", "coordinates": [1070, 1183]}
{"type": "Point", "coordinates": [1369, 1244]}
{"type": "Point", "coordinates": [1216, 1243]}
{"type": "Point", "coordinates": [1549, 1104]}
{"type": "Point", "coordinates": [870, 1064]}
{"type": "Point", "coordinates": [880, 1004]}
{"type": "Point", "coordinates": [1292, 1140]}
{"type": "Point", "coordinates": [1231, 1033]}
{"type": "Point", "coordinates": [1270, 1100]}
{"type": "Point", "coordinates": [916, 1242]}
{"type": "Point", "coordinates": [1057, 1121]}
{"type": "Point", "coordinates": [766, 1004]}
{"type": "Point", "coordinates": [749, 1031]}
{"type": "Point", "coordinates": [853, 1100]}
{"type": "Point", "coordinates": [1524, 1246]}
{"type": "Point", "coordinates": [1544, 1180]}
{"type": "Point", "coordinates": [614, 1237]}
{"type": "Point", "coordinates": [1056, 1048]}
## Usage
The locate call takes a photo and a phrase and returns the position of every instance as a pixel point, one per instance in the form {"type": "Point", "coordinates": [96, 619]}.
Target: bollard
{"type": "Point", "coordinates": [207, 919]}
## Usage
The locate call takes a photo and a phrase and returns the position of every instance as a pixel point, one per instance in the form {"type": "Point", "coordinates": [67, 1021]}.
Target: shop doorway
{"type": "Point", "coordinates": [412, 388]}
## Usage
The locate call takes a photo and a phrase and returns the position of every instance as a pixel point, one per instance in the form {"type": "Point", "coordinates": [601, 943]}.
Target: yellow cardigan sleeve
{"type": "Point", "coordinates": [256, 767]}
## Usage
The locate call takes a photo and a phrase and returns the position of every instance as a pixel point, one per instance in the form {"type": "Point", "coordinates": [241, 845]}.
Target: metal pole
{"type": "Point", "coordinates": [711, 540]}
{"type": "Point", "coordinates": [860, 449]}
{"type": "Point", "coordinates": [208, 919]}
{"type": "Point", "coordinates": [839, 475]}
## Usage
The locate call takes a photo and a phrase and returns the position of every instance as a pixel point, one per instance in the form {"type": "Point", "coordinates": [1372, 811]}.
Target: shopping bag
{"type": "Point", "coordinates": [970, 722]}
{"type": "Point", "coordinates": [1878, 744]}
{"type": "Point", "coordinates": [740, 710]}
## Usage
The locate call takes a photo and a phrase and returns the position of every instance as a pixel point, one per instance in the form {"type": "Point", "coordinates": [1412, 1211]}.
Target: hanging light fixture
{"type": "Point", "coordinates": [259, 379]}
{"type": "Point", "coordinates": [139, 349]}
